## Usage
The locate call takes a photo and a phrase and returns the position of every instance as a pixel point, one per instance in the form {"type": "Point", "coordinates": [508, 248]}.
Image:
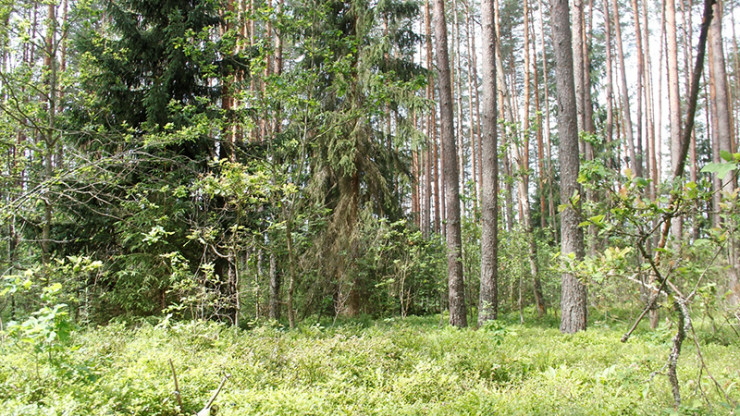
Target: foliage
{"type": "Point", "coordinates": [730, 163]}
{"type": "Point", "coordinates": [396, 366]}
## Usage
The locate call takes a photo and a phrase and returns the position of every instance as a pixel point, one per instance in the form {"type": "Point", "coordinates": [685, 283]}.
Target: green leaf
{"type": "Point", "coordinates": [721, 169]}
{"type": "Point", "coordinates": [724, 154]}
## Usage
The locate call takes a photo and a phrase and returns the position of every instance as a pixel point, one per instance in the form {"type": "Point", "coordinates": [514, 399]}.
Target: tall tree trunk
{"type": "Point", "coordinates": [626, 114]}
{"type": "Point", "coordinates": [488, 307]}
{"type": "Point", "coordinates": [504, 105]}
{"type": "Point", "coordinates": [417, 179]}
{"type": "Point", "coordinates": [540, 141]}
{"type": "Point", "coordinates": [609, 123]}
{"type": "Point", "coordinates": [713, 139]}
{"type": "Point", "coordinates": [457, 92]}
{"type": "Point", "coordinates": [275, 299]}
{"type": "Point", "coordinates": [587, 107]}
{"type": "Point", "coordinates": [50, 64]}
{"type": "Point", "coordinates": [649, 106]}
{"type": "Point", "coordinates": [724, 136]}
{"type": "Point", "coordinates": [526, 214]}
{"type": "Point", "coordinates": [474, 129]}
{"type": "Point", "coordinates": [639, 94]}
{"type": "Point", "coordinates": [688, 52]}
{"type": "Point", "coordinates": [573, 299]}
{"type": "Point", "coordinates": [576, 41]}
{"type": "Point", "coordinates": [432, 128]}
{"type": "Point", "coordinates": [474, 55]}
{"type": "Point", "coordinates": [674, 100]}
{"type": "Point", "coordinates": [456, 286]}
{"type": "Point", "coordinates": [548, 146]}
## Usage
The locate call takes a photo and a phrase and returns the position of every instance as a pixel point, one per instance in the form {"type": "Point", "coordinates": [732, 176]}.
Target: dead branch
{"type": "Point", "coordinates": [177, 388]}
{"type": "Point", "coordinates": [206, 411]}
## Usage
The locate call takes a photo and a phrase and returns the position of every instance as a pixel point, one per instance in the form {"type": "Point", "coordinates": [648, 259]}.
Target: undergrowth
{"type": "Point", "coordinates": [412, 366]}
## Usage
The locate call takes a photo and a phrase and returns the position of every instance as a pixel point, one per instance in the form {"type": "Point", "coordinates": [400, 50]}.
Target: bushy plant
{"type": "Point", "coordinates": [400, 366]}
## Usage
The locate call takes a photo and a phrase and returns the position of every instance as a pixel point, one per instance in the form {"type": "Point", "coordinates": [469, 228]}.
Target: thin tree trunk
{"type": "Point", "coordinates": [524, 182]}
{"type": "Point", "coordinates": [503, 105]}
{"type": "Point", "coordinates": [474, 55]}
{"type": "Point", "coordinates": [548, 144]}
{"type": "Point", "coordinates": [457, 84]}
{"type": "Point", "coordinates": [649, 104]}
{"type": "Point", "coordinates": [626, 117]}
{"type": "Point", "coordinates": [50, 63]}
{"type": "Point", "coordinates": [292, 273]}
{"type": "Point", "coordinates": [432, 128]}
{"type": "Point", "coordinates": [713, 139]}
{"type": "Point", "coordinates": [275, 282]}
{"type": "Point", "coordinates": [474, 130]}
{"type": "Point", "coordinates": [710, 111]}
{"type": "Point", "coordinates": [540, 142]}
{"type": "Point", "coordinates": [640, 75]}
{"type": "Point", "coordinates": [674, 100]}
{"type": "Point", "coordinates": [609, 123]}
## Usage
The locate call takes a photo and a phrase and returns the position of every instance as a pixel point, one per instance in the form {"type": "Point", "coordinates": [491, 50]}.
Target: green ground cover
{"type": "Point", "coordinates": [411, 366]}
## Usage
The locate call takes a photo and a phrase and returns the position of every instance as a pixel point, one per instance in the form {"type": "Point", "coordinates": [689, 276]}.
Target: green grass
{"type": "Point", "coordinates": [397, 367]}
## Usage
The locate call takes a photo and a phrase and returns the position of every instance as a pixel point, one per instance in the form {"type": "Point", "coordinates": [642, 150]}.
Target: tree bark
{"type": "Point", "coordinates": [488, 306]}
{"type": "Point", "coordinates": [573, 300]}
{"type": "Point", "coordinates": [640, 89]}
{"type": "Point", "coordinates": [724, 135]}
{"type": "Point", "coordinates": [548, 146]}
{"type": "Point", "coordinates": [609, 123]}
{"type": "Point", "coordinates": [474, 130]}
{"type": "Point", "coordinates": [431, 128]}
{"type": "Point", "coordinates": [275, 283]}
{"type": "Point", "coordinates": [456, 286]}
{"type": "Point", "coordinates": [439, 208]}
{"type": "Point", "coordinates": [526, 214]}
{"type": "Point", "coordinates": [674, 100]}
{"type": "Point", "coordinates": [626, 114]}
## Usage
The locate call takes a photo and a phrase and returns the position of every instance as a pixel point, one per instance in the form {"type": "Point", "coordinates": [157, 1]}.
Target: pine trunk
{"type": "Point", "coordinates": [573, 299]}
{"type": "Point", "coordinates": [488, 307]}
{"type": "Point", "coordinates": [458, 316]}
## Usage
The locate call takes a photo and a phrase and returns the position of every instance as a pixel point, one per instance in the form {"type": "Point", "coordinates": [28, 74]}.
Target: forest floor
{"type": "Point", "coordinates": [412, 366]}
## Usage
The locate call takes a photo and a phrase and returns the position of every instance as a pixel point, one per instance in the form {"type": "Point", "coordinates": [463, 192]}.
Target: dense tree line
{"type": "Point", "coordinates": [249, 159]}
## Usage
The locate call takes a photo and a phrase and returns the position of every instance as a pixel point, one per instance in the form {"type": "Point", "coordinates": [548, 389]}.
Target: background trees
{"type": "Point", "coordinates": [250, 159]}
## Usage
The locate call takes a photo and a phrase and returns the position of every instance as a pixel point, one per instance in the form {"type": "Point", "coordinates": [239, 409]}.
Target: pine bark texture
{"type": "Point", "coordinates": [724, 135]}
{"type": "Point", "coordinates": [573, 300]}
{"type": "Point", "coordinates": [458, 316]}
{"type": "Point", "coordinates": [488, 307]}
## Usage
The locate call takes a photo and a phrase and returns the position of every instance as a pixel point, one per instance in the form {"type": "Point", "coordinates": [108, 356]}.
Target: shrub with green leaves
{"type": "Point", "coordinates": [408, 366]}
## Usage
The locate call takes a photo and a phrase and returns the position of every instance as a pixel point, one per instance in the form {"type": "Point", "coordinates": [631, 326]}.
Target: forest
{"type": "Point", "coordinates": [294, 207]}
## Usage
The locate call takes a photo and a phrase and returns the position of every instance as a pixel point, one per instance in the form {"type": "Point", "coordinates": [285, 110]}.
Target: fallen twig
{"type": "Point", "coordinates": [206, 411]}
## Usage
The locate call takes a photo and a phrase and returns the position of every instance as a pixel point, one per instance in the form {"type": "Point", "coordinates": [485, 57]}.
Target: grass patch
{"type": "Point", "coordinates": [409, 366]}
